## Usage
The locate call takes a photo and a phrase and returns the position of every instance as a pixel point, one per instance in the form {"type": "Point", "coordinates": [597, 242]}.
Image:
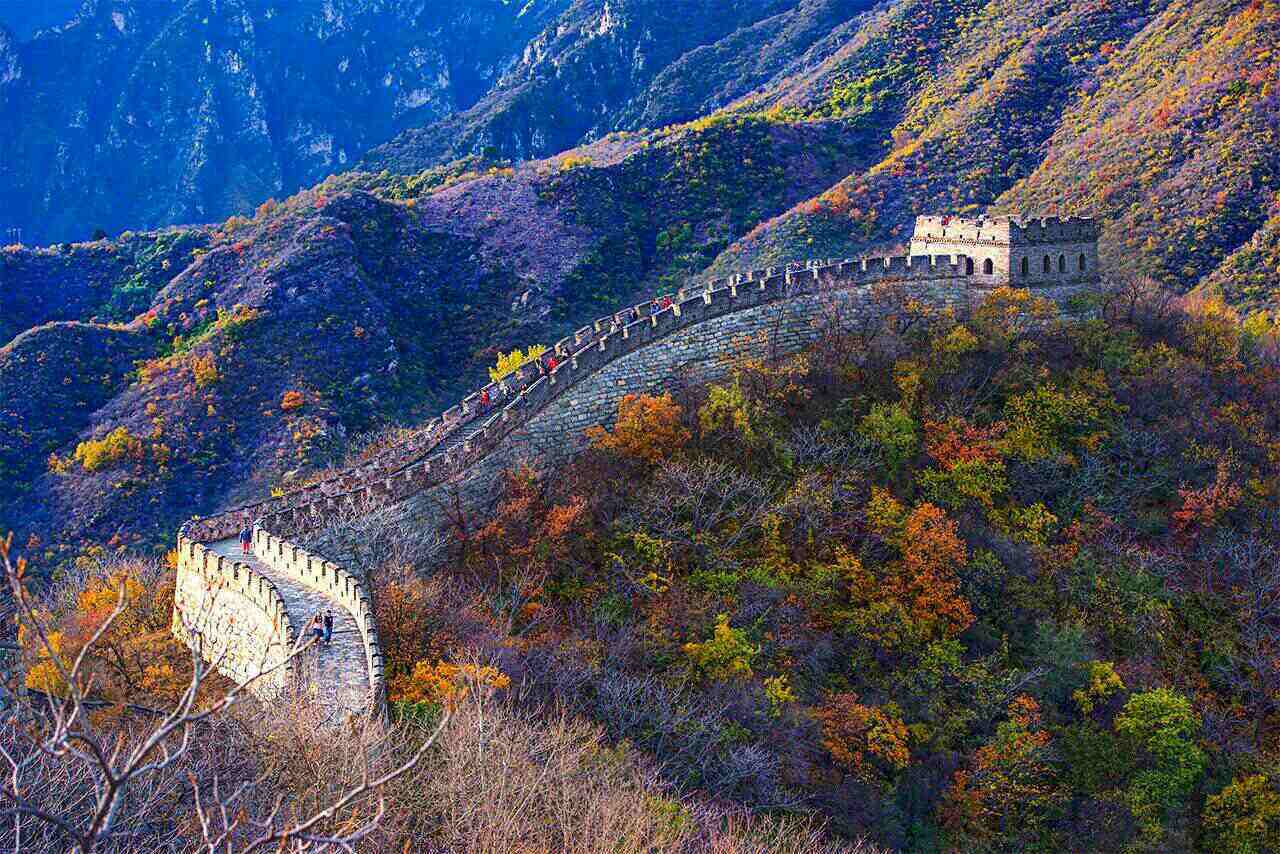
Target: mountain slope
{"type": "Point", "coordinates": [623, 65]}
{"type": "Point", "coordinates": [1159, 118]}
{"type": "Point", "coordinates": [376, 299]}
{"type": "Point", "coordinates": [138, 114]}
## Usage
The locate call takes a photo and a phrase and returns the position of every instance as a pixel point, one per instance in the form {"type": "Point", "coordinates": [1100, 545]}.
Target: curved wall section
{"type": "Point", "coordinates": [234, 617]}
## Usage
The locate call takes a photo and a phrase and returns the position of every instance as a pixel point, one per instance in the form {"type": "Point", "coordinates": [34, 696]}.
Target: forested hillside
{"type": "Point", "coordinates": [1157, 117]}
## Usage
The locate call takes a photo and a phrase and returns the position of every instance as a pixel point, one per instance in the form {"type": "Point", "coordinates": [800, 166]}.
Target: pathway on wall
{"type": "Point", "coordinates": [335, 677]}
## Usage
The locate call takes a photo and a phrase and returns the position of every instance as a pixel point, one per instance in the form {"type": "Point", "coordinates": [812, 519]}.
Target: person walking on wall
{"type": "Point", "coordinates": [328, 627]}
{"type": "Point", "coordinates": [246, 538]}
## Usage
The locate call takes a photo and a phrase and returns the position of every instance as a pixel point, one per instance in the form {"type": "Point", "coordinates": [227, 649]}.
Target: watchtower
{"type": "Point", "coordinates": [1010, 250]}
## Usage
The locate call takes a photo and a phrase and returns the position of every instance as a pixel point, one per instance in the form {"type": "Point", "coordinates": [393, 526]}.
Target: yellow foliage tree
{"type": "Point", "coordinates": [117, 445]}
{"type": "Point", "coordinates": [726, 655]}
{"type": "Point", "coordinates": [509, 363]}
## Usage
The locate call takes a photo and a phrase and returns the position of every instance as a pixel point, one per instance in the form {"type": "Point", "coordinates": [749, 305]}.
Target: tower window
{"type": "Point", "coordinates": [1081, 262]}
{"type": "Point", "coordinates": [1046, 264]}
{"type": "Point", "coordinates": [1026, 268]}
{"type": "Point", "coordinates": [988, 267]}
{"type": "Point", "coordinates": [968, 266]}
{"type": "Point", "coordinates": [1062, 263]}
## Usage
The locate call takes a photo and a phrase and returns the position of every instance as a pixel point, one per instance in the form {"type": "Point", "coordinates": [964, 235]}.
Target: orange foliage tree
{"type": "Point", "coordinates": [444, 683]}
{"type": "Point", "coordinates": [403, 614]}
{"type": "Point", "coordinates": [869, 742]}
{"type": "Point", "coordinates": [648, 428]}
{"type": "Point", "coordinates": [529, 540]}
{"type": "Point", "coordinates": [1008, 793]}
{"type": "Point", "coordinates": [136, 659]}
{"type": "Point", "coordinates": [914, 600]}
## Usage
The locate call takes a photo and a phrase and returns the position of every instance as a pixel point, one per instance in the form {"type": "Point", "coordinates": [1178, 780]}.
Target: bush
{"type": "Point", "coordinates": [119, 444]}
{"type": "Point", "coordinates": [648, 428]}
{"type": "Point", "coordinates": [509, 363]}
{"type": "Point", "coordinates": [292, 400]}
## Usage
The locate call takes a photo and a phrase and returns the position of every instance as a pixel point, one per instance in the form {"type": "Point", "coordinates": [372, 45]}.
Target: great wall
{"type": "Point", "coordinates": [248, 614]}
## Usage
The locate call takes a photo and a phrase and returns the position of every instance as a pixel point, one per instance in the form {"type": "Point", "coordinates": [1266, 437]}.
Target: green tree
{"type": "Point", "coordinates": [891, 427]}
{"type": "Point", "coordinates": [1244, 818]}
{"type": "Point", "coordinates": [1162, 726]}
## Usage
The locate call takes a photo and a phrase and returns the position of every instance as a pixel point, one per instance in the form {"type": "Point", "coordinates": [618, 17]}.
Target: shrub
{"type": "Point", "coordinates": [292, 400]}
{"type": "Point", "coordinates": [892, 428]}
{"type": "Point", "coordinates": [117, 445]}
{"type": "Point", "coordinates": [205, 370]}
{"type": "Point", "coordinates": [727, 655]}
{"type": "Point", "coordinates": [444, 684]}
{"type": "Point", "coordinates": [1244, 818]}
{"type": "Point", "coordinates": [648, 428]}
{"type": "Point", "coordinates": [509, 363]}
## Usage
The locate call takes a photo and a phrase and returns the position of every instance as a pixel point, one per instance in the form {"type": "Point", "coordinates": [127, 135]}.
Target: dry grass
{"type": "Point", "coordinates": [499, 781]}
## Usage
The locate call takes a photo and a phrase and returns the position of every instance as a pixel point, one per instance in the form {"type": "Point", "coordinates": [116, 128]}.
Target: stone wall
{"type": "Point", "coordinates": [338, 584]}
{"type": "Point", "coordinates": [235, 619]}
{"type": "Point", "coordinates": [539, 414]}
{"type": "Point", "coordinates": [704, 330]}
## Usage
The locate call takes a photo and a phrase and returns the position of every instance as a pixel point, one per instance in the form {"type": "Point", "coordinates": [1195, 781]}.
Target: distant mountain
{"type": "Point", "coordinates": [139, 114]}
{"type": "Point", "coordinates": [24, 17]}
{"type": "Point", "coordinates": [610, 65]}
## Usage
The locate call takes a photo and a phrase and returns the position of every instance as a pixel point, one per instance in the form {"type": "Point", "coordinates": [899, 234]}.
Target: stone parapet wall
{"type": "Point", "coordinates": [440, 433]}
{"type": "Point", "coordinates": [613, 338]}
{"type": "Point", "coordinates": [234, 617]}
{"type": "Point", "coordinates": [334, 581]}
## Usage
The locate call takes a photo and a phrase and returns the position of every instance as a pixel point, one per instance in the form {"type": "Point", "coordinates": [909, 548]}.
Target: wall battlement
{"type": "Point", "coordinates": [1008, 230]}
{"type": "Point", "coordinates": [234, 617]}
{"type": "Point", "coordinates": [544, 406]}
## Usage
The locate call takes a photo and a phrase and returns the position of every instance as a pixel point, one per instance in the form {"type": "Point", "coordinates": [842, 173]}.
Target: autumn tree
{"type": "Point", "coordinates": [529, 539]}
{"type": "Point", "coordinates": [1006, 796]}
{"type": "Point", "coordinates": [869, 742]}
{"type": "Point", "coordinates": [1244, 818]}
{"type": "Point", "coordinates": [648, 428]}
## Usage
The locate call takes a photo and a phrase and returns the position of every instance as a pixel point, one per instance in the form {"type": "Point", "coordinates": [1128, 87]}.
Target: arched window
{"type": "Point", "coordinates": [1047, 265]}
{"type": "Point", "coordinates": [1081, 262]}
{"type": "Point", "coordinates": [968, 266]}
{"type": "Point", "coordinates": [988, 267]}
{"type": "Point", "coordinates": [1062, 263]}
{"type": "Point", "coordinates": [1026, 268]}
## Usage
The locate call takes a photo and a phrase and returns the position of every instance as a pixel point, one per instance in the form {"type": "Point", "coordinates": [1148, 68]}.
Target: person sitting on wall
{"type": "Point", "coordinates": [317, 628]}
{"type": "Point", "coordinates": [552, 364]}
{"type": "Point", "coordinates": [484, 400]}
{"type": "Point", "coordinates": [246, 538]}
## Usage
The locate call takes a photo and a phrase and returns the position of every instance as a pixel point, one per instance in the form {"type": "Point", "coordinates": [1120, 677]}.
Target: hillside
{"type": "Point", "coordinates": [379, 299]}
{"type": "Point", "coordinates": [1069, 108]}
{"type": "Point", "coordinates": [864, 120]}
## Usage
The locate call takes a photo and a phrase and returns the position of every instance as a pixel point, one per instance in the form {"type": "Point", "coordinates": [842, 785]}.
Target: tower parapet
{"type": "Point", "coordinates": [1012, 250]}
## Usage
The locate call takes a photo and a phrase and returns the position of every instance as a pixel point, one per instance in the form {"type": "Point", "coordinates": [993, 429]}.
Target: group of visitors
{"type": "Point", "coordinates": [321, 626]}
